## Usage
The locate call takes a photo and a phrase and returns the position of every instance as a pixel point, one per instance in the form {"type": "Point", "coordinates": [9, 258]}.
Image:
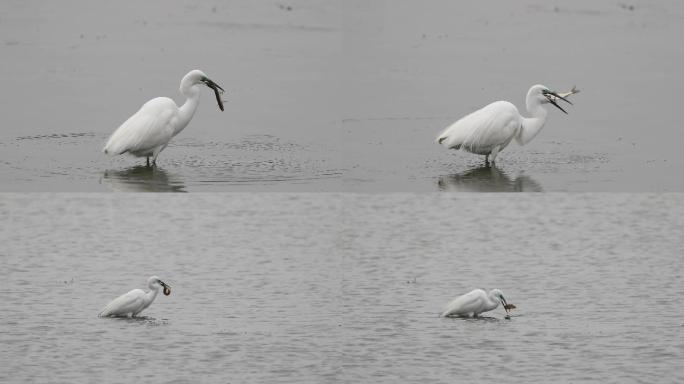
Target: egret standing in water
{"type": "Point", "coordinates": [135, 301]}
{"type": "Point", "coordinates": [488, 131]}
{"type": "Point", "coordinates": [149, 130]}
{"type": "Point", "coordinates": [475, 302]}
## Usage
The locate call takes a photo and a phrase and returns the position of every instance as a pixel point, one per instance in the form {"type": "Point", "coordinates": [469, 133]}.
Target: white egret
{"type": "Point", "coordinates": [135, 301]}
{"type": "Point", "coordinates": [475, 302]}
{"type": "Point", "coordinates": [149, 130]}
{"type": "Point", "coordinates": [489, 130]}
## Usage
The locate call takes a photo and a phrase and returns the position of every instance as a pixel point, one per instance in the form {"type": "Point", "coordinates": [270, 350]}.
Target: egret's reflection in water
{"type": "Point", "coordinates": [487, 178]}
{"type": "Point", "coordinates": [142, 178]}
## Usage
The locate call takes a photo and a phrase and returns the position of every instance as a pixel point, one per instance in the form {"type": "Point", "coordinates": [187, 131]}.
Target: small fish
{"type": "Point", "coordinates": [569, 93]}
{"type": "Point", "coordinates": [508, 307]}
{"type": "Point", "coordinates": [167, 291]}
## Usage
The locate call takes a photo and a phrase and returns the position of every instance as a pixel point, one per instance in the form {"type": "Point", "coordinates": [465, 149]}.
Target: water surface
{"type": "Point", "coordinates": [341, 96]}
{"type": "Point", "coordinates": [342, 287]}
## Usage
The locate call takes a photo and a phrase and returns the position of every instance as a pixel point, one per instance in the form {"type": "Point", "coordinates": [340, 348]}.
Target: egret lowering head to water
{"type": "Point", "coordinates": [135, 301]}
{"type": "Point", "coordinates": [488, 131]}
{"type": "Point", "coordinates": [149, 130]}
{"type": "Point", "coordinates": [474, 302]}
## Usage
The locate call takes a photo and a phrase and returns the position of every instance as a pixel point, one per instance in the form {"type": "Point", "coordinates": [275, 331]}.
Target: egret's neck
{"type": "Point", "coordinates": [531, 126]}
{"type": "Point", "coordinates": [493, 302]}
{"type": "Point", "coordinates": [187, 110]}
{"type": "Point", "coordinates": [151, 295]}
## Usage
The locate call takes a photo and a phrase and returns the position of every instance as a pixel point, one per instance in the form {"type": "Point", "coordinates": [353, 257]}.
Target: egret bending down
{"type": "Point", "coordinates": [135, 301]}
{"type": "Point", "coordinates": [488, 131]}
{"type": "Point", "coordinates": [474, 302]}
{"type": "Point", "coordinates": [149, 130]}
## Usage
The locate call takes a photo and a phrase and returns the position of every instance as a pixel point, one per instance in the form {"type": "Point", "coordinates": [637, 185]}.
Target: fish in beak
{"type": "Point", "coordinates": [167, 288]}
{"type": "Point", "coordinates": [570, 92]}
{"type": "Point", "coordinates": [552, 96]}
{"type": "Point", "coordinates": [217, 90]}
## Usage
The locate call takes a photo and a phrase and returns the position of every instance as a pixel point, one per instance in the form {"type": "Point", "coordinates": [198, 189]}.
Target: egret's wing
{"type": "Point", "coordinates": [464, 304]}
{"type": "Point", "coordinates": [481, 131]}
{"type": "Point", "coordinates": [124, 304]}
{"type": "Point", "coordinates": [147, 129]}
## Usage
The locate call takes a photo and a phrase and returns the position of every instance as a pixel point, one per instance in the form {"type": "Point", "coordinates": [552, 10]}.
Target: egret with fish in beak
{"type": "Point", "coordinates": [148, 131]}
{"type": "Point", "coordinates": [132, 303]}
{"type": "Point", "coordinates": [475, 302]}
{"type": "Point", "coordinates": [489, 130]}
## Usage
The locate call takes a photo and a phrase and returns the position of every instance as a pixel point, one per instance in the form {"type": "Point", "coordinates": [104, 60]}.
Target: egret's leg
{"type": "Point", "coordinates": [156, 153]}
{"type": "Point", "coordinates": [494, 153]}
{"type": "Point", "coordinates": [148, 161]}
{"type": "Point", "coordinates": [487, 159]}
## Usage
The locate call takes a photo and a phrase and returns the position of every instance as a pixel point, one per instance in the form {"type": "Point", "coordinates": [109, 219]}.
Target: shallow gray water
{"type": "Point", "coordinates": [342, 287]}
{"type": "Point", "coordinates": [341, 95]}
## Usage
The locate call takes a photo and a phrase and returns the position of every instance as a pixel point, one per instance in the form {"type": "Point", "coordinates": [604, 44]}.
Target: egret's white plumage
{"type": "Point", "coordinates": [474, 302]}
{"type": "Point", "coordinates": [132, 303]}
{"type": "Point", "coordinates": [148, 131]}
{"type": "Point", "coordinates": [489, 130]}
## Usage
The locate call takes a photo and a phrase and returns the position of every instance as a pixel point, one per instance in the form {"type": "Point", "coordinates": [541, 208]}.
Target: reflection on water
{"type": "Point", "coordinates": [139, 320]}
{"type": "Point", "coordinates": [475, 319]}
{"type": "Point", "coordinates": [487, 178]}
{"type": "Point", "coordinates": [142, 178]}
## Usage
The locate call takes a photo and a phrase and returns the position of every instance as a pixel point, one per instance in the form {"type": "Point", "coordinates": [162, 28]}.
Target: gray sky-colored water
{"type": "Point", "coordinates": [342, 288]}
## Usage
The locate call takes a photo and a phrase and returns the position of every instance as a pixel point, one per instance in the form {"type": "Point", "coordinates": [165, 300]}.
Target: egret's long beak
{"type": "Point", "coordinates": [552, 96]}
{"type": "Point", "coordinates": [210, 83]}
{"type": "Point", "coordinates": [217, 91]}
{"type": "Point", "coordinates": [163, 284]}
{"type": "Point", "coordinates": [505, 304]}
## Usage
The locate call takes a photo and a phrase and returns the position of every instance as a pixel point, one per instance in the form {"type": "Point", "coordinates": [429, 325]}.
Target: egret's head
{"type": "Point", "coordinates": [196, 77]}
{"type": "Point", "coordinates": [498, 295]}
{"type": "Point", "coordinates": [542, 94]}
{"type": "Point", "coordinates": [155, 283]}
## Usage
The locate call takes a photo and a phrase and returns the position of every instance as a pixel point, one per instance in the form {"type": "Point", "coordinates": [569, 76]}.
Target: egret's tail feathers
{"type": "Point", "coordinates": [109, 151]}
{"type": "Point", "coordinates": [451, 313]}
{"type": "Point", "coordinates": [441, 140]}
{"type": "Point", "coordinates": [113, 151]}
{"type": "Point", "coordinates": [449, 141]}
